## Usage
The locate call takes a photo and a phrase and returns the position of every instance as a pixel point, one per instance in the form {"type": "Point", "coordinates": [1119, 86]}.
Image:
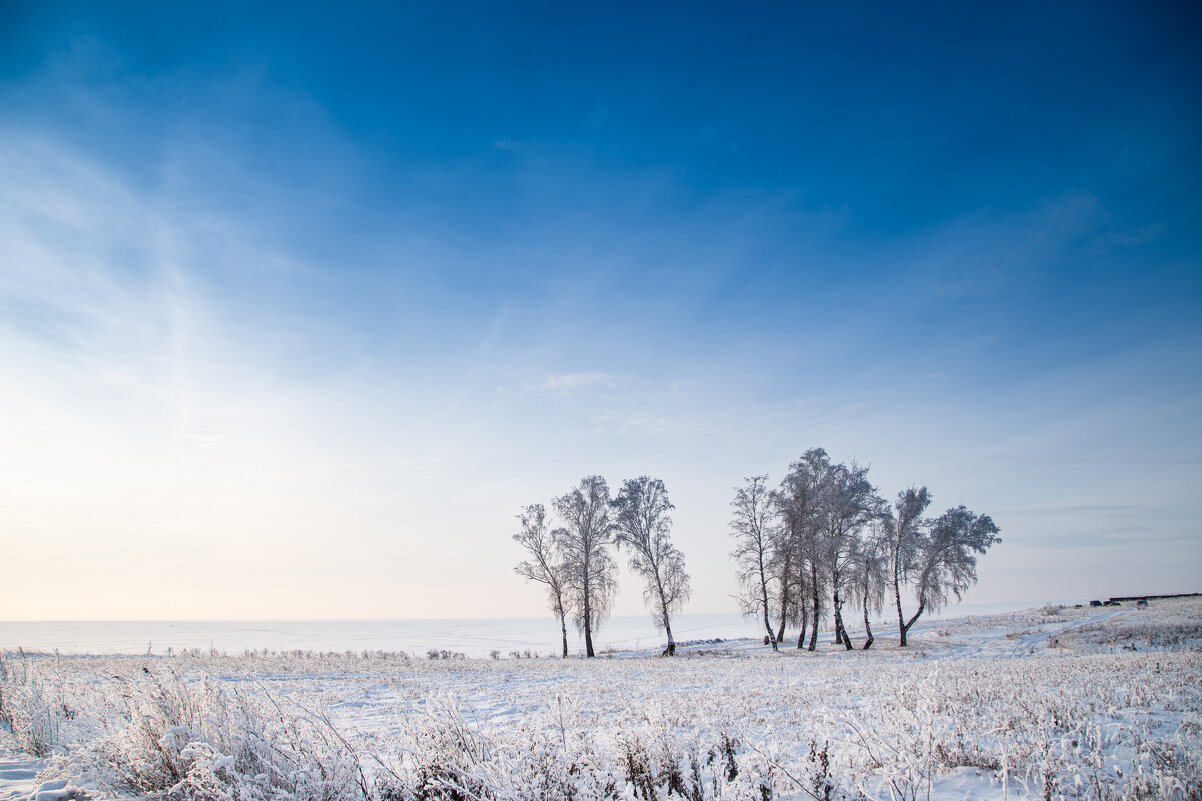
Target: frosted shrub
{"type": "Point", "coordinates": [435, 653]}
{"type": "Point", "coordinates": [440, 755]}
{"type": "Point", "coordinates": [31, 705]}
{"type": "Point", "coordinates": [198, 740]}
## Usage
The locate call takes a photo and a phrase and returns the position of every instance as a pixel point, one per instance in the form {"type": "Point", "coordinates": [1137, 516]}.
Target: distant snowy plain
{"type": "Point", "coordinates": [476, 637]}
{"type": "Point", "coordinates": [1051, 703]}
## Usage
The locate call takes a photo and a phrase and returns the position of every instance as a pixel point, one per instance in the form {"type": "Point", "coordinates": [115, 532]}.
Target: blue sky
{"type": "Point", "coordinates": [296, 298]}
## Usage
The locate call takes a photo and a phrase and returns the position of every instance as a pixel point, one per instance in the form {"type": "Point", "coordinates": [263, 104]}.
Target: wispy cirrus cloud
{"type": "Point", "coordinates": [568, 382]}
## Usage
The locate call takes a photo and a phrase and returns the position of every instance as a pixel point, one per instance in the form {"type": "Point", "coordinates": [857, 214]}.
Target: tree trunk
{"type": "Point", "coordinates": [784, 597]}
{"type": "Point", "coordinates": [840, 632]}
{"type": "Point", "coordinates": [867, 629]}
{"type": "Point", "coordinates": [563, 626]}
{"type": "Point", "coordinates": [817, 606]}
{"type": "Point", "coordinates": [838, 618]}
{"type": "Point", "coordinates": [901, 619]}
{"type": "Point", "coordinates": [588, 627]}
{"type": "Point", "coordinates": [805, 619]}
{"type": "Point", "coordinates": [663, 608]}
{"type": "Point", "coordinates": [905, 626]}
{"type": "Point", "coordinates": [764, 596]}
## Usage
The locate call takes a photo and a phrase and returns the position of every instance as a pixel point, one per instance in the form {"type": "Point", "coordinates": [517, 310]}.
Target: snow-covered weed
{"type": "Point", "coordinates": [161, 736]}
{"type": "Point", "coordinates": [32, 704]}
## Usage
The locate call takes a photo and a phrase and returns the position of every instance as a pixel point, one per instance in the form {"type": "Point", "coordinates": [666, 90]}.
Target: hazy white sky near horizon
{"type": "Point", "coordinates": [291, 328]}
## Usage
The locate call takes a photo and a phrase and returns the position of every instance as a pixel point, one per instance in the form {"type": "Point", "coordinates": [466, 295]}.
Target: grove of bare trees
{"type": "Point", "coordinates": [821, 544]}
{"type": "Point", "coordinates": [576, 564]}
{"type": "Point", "coordinates": [825, 540]}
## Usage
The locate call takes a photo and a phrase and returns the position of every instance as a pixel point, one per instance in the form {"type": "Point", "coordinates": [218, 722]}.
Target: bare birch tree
{"type": "Point", "coordinates": [751, 526]}
{"type": "Point", "coordinates": [546, 565]}
{"type": "Point", "coordinates": [586, 541]}
{"type": "Point", "coordinates": [798, 505]}
{"type": "Point", "coordinates": [783, 581]}
{"type": "Point", "coordinates": [870, 572]}
{"type": "Point", "coordinates": [904, 540]}
{"type": "Point", "coordinates": [643, 526]}
{"type": "Point", "coordinates": [947, 562]}
{"type": "Point", "coordinates": [851, 503]}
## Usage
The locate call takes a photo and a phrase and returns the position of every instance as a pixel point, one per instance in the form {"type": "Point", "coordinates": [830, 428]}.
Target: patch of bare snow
{"type": "Point", "coordinates": [18, 771]}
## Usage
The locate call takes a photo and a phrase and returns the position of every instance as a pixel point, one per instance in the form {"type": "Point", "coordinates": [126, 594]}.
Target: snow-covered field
{"type": "Point", "coordinates": [1059, 702]}
{"type": "Point", "coordinates": [472, 637]}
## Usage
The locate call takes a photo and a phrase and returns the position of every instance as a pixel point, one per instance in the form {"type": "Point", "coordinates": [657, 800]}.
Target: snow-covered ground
{"type": "Point", "coordinates": [1056, 702]}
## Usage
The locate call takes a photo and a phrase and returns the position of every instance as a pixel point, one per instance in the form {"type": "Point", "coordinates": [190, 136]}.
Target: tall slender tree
{"type": "Point", "coordinates": [546, 564]}
{"type": "Point", "coordinates": [643, 525]}
{"type": "Point", "coordinates": [798, 505]}
{"type": "Point", "coordinates": [784, 580]}
{"type": "Point", "coordinates": [751, 526]}
{"type": "Point", "coordinates": [905, 538]}
{"type": "Point", "coordinates": [586, 541]}
{"type": "Point", "coordinates": [851, 503]}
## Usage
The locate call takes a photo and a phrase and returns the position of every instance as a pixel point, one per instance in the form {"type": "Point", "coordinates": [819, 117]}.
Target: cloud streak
{"type": "Point", "coordinates": [570, 382]}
